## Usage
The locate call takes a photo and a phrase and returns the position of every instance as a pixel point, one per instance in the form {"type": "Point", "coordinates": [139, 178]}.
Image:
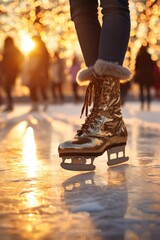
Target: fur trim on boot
{"type": "Point", "coordinates": [103, 68]}
{"type": "Point", "coordinates": [109, 69]}
{"type": "Point", "coordinates": [84, 76]}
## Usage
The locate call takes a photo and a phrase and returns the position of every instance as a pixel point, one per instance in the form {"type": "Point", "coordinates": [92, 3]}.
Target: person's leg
{"type": "Point", "coordinates": [115, 30]}
{"type": "Point", "coordinates": [110, 42]}
{"type": "Point", "coordinates": [33, 93]}
{"type": "Point", "coordinates": [9, 106]}
{"type": "Point", "coordinates": [104, 129]}
{"type": "Point", "coordinates": [114, 37]}
{"type": "Point", "coordinates": [148, 96]}
{"type": "Point", "coordinates": [85, 17]}
{"type": "Point", "coordinates": [34, 98]}
{"type": "Point", "coordinates": [8, 85]}
{"type": "Point", "coordinates": [141, 90]}
{"type": "Point", "coordinates": [53, 90]}
{"type": "Point", "coordinates": [60, 89]}
{"type": "Point", "coordinates": [43, 90]}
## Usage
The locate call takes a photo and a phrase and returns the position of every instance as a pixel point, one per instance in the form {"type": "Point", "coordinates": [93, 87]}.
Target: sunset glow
{"type": "Point", "coordinates": [27, 44]}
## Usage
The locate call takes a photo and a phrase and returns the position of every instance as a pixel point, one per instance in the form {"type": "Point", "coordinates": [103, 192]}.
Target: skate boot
{"type": "Point", "coordinates": [104, 129]}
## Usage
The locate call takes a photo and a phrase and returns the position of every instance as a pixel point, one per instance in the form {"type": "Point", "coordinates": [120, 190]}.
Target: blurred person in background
{"type": "Point", "coordinates": [144, 75]}
{"type": "Point", "coordinates": [11, 67]}
{"type": "Point", "coordinates": [75, 67]}
{"type": "Point", "coordinates": [57, 77]}
{"type": "Point", "coordinates": [38, 64]}
{"type": "Point", "coordinates": [156, 80]}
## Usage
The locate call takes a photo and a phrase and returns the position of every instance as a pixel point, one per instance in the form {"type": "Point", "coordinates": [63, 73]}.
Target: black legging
{"type": "Point", "coordinates": [108, 42]}
{"type": "Point", "coordinates": [142, 88]}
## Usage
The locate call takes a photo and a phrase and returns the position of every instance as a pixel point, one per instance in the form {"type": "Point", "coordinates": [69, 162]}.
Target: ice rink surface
{"type": "Point", "coordinates": [40, 200]}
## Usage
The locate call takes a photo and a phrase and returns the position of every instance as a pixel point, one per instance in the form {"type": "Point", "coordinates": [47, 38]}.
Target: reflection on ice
{"type": "Point", "coordinates": [29, 153]}
{"type": "Point", "coordinates": [31, 162]}
{"type": "Point", "coordinates": [31, 200]}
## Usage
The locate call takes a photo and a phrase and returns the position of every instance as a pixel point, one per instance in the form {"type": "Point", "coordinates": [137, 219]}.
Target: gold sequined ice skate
{"type": "Point", "coordinates": [104, 129]}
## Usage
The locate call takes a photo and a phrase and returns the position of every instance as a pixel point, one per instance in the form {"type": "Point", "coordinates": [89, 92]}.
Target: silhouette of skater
{"type": "Point", "coordinates": [11, 66]}
{"type": "Point", "coordinates": [38, 73]}
{"type": "Point", "coordinates": [144, 75]}
{"type": "Point", "coordinates": [57, 76]}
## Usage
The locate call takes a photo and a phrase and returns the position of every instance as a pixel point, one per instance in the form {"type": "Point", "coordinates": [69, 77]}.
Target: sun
{"type": "Point", "coordinates": [27, 44]}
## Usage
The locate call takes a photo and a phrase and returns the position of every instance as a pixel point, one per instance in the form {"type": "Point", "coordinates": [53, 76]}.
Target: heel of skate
{"type": "Point", "coordinates": [116, 155]}
{"type": "Point", "coordinates": [77, 163]}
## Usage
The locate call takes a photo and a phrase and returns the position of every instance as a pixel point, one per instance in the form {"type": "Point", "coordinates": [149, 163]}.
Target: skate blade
{"type": "Point", "coordinates": [78, 167]}
{"type": "Point", "coordinates": [116, 160]}
{"type": "Point", "coordinates": [78, 164]}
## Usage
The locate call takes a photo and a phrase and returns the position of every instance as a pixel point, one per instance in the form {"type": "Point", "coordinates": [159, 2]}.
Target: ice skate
{"type": "Point", "coordinates": [104, 129]}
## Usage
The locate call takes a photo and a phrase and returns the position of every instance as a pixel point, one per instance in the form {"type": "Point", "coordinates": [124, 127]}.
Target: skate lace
{"type": "Point", "coordinates": [90, 121]}
{"type": "Point", "coordinates": [92, 95]}
{"type": "Point", "coordinates": [88, 99]}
